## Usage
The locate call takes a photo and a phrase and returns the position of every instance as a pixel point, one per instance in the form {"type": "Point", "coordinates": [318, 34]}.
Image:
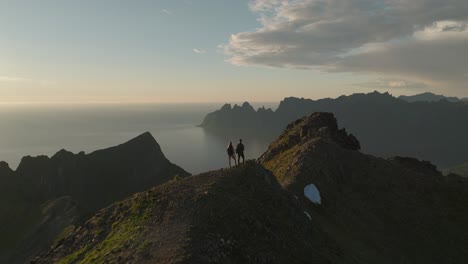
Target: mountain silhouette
{"type": "Point", "coordinates": [428, 97]}
{"type": "Point", "coordinates": [45, 195]}
{"type": "Point", "coordinates": [313, 197]}
{"type": "Point", "coordinates": [386, 126]}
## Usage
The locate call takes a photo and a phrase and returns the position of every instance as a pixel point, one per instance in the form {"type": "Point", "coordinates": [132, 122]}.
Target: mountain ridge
{"type": "Point", "coordinates": [425, 130]}
{"type": "Point", "coordinates": [91, 181]}
{"type": "Point", "coordinates": [429, 97]}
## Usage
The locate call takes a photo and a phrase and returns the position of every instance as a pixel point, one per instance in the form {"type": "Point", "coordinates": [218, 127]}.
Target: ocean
{"type": "Point", "coordinates": [44, 130]}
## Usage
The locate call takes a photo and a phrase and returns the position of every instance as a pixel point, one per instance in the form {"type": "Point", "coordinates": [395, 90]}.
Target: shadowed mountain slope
{"type": "Point", "coordinates": [44, 195]}
{"type": "Point", "coordinates": [399, 210]}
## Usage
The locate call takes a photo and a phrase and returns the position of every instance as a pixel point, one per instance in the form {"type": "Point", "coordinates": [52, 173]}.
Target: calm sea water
{"type": "Point", "coordinates": [44, 130]}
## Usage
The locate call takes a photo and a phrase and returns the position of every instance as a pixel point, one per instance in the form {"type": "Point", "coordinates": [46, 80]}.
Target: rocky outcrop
{"type": "Point", "coordinates": [380, 211]}
{"type": "Point", "coordinates": [318, 128]}
{"type": "Point", "coordinates": [93, 181]}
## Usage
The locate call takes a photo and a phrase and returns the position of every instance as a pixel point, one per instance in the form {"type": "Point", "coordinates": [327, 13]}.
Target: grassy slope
{"type": "Point", "coordinates": [240, 215]}
{"type": "Point", "coordinates": [461, 169]}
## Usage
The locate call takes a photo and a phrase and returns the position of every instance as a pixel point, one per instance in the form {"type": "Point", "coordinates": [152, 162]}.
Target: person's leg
{"type": "Point", "coordinates": [243, 158]}
{"type": "Point", "coordinates": [229, 158]}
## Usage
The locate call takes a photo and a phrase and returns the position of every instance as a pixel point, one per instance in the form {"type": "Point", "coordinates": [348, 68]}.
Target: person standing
{"type": "Point", "coordinates": [231, 155]}
{"type": "Point", "coordinates": [240, 152]}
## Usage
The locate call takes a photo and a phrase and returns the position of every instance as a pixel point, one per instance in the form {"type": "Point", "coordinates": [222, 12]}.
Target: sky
{"type": "Point", "coordinates": [167, 51]}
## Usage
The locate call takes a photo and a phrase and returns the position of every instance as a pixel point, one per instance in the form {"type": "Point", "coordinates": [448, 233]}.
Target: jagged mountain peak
{"type": "Point", "coordinates": [226, 107]}
{"type": "Point", "coordinates": [314, 129]}
{"type": "Point", "coordinates": [5, 168]}
{"type": "Point", "coordinates": [247, 106]}
{"type": "Point", "coordinates": [145, 138]}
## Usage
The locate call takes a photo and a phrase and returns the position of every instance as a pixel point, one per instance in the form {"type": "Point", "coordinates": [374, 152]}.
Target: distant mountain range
{"type": "Point", "coordinates": [429, 97]}
{"type": "Point", "coordinates": [312, 197]}
{"type": "Point", "coordinates": [387, 126]}
{"type": "Point", "coordinates": [44, 196]}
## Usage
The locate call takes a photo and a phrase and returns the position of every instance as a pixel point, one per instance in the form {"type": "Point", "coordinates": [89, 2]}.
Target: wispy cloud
{"type": "Point", "coordinates": [167, 12]}
{"type": "Point", "coordinates": [199, 51]}
{"type": "Point", "coordinates": [392, 83]}
{"type": "Point", "coordinates": [13, 79]}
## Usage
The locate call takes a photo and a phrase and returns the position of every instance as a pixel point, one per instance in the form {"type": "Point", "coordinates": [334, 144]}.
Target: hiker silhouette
{"type": "Point", "coordinates": [240, 152]}
{"type": "Point", "coordinates": [231, 155]}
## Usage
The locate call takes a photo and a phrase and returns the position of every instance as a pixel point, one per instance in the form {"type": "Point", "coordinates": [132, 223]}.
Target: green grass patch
{"type": "Point", "coordinates": [279, 165]}
{"type": "Point", "coordinates": [126, 234]}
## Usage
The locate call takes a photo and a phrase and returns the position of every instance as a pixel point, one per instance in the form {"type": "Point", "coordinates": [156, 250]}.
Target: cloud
{"type": "Point", "coordinates": [13, 79]}
{"type": "Point", "coordinates": [390, 84]}
{"type": "Point", "coordinates": [199, 51]}
{"type": "Point", "coordinates": [422, 41]}
{"type": "Point", "coordinates": [167, 12]}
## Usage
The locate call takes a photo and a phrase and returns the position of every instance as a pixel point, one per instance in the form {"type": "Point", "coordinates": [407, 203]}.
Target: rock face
{"type": "Point", "coordinates": [399, 210]}
{"type": "Point", "coordinates": [386, 126]}
{"type": "Point", "coordinates": [317, 127]}
{"type": "Point", "coordinates": [90, 182]}
{"type": "Point", "coordinates": [240, 215]}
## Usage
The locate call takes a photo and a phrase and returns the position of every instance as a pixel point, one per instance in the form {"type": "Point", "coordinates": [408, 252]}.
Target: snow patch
{"type": "Point", "coordinates": [308, 215]}
{"type": "Point", "coordinates": [313, 194]}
